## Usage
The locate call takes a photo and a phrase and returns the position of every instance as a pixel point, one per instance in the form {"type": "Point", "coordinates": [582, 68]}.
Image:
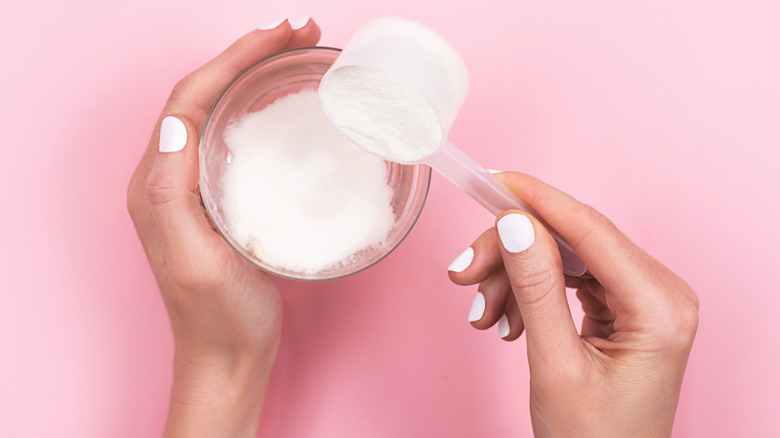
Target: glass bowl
{"type": "Point", "coordinates": [260, 85]}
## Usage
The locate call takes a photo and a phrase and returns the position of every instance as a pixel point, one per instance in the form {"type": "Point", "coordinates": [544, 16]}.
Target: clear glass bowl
{"type": "Point", "coordinates": [257, 87]}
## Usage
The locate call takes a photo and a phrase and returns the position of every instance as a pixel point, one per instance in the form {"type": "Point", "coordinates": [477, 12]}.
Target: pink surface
{"type": "Point", "coordinates": [665, 116]}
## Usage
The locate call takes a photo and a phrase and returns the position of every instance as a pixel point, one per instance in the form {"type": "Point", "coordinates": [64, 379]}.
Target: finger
{"type": "Point", "coordinates": [514, 320]}
{"type": "Point", "coordinates": [194, 95]}
{"type": "Point", "coordinates": [490, 302]}
{"type": "Point", "coordinates": [173, 196]}
{"type": "Point", "coordinates": [478, 261]}
{"type": "Point", "coordinates": [576, 281]}
{"type": "Point", "coordinates": [597, 329]}
{"type": "Point", "coordinates": [609, 255]}
{"type": "Point", "coordinates": [533, 265]}
{"type": "Point", "coordinates": [598, 320]}
{"type": "Point", "coordinates": [306, 33]}
{"type": "Point", "coordinates": [192, 99]}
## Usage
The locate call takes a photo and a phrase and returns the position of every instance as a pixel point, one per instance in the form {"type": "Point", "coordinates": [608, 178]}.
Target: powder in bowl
{"type": "Point", "coordinates": [297, 194]}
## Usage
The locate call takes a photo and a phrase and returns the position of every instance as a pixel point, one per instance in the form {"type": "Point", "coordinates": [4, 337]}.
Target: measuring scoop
{"type": "Point", "coordinates": [426, 67]}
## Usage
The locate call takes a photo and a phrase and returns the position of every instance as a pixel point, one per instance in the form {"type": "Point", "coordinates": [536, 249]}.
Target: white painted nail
{"type": "Point", "coordinates": [462, 261]}
{"type": "Point", "coordinates": [477, 308]}
{"type": "Point", "coordinates": [173, 135]}
{"type": "Point", "coordinates": [273, 25]}
{"type": "Point", "coordinates": [297, 23]}
{"type": "Point", "coordinates": [503, 327]}
{"type": "Point", "coordinates": [516, 232]}
{"type": "Point", "coordinates": [494, 171]}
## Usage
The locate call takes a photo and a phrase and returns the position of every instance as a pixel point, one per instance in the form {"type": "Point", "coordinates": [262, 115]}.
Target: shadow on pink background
{"type": "Point", "coordinates": [664, 116]}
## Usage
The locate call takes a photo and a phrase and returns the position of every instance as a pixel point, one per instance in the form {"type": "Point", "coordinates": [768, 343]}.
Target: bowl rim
{"type": "Point", "coordinates": [425, 173]}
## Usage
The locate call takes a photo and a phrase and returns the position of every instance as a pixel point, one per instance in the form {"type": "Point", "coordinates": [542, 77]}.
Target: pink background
{"type": "Point", "coordinates": [665, 115]}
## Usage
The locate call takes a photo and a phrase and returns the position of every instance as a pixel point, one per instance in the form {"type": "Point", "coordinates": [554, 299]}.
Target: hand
{"type": "Point", "coordinates": [621, 376]}
{"type": "Point", "coordinates": [225, 314]}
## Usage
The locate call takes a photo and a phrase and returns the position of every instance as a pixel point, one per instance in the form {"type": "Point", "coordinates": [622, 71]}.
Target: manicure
{"type": "Point", "coordinates": [477, 308]}
{"type": "Point", "coordinates": [462, 261]}
{"type": "Point", "coordinates": [297, 23]}
{"type": "Point", "coordinates": [173, 135]}
{"type": "Point", "coordinates": [274, 24]}
{"type": "Point", "coordinates": [516, 232]}
{"type": "Point", "coordinates": [503, 327]}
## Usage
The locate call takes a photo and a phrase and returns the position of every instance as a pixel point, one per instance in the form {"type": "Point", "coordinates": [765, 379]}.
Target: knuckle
{"type": "Point", "coordinates": [597, 218]}
{"type": "Point", "coordinates": [537, 197]}
{"type": "Point", "coordinates": [181, 88]}
{"type": "Point", "coordinates": [133, 201]}
{"type": "Point", "coordinates": [691, 294]}
{"type": "Point", "coordinates": [534, 286]}
{"type": "Point", "coordinates": [160, 193]}
{"type": "Point", "coordinates": [686, 320]}
{"type": "Point", "coordinates": [688, 323]}
{"type": "Point", "coordinates": [538, 279]}
{"type": "Point", "coordinates": [695, 300]}
{"type": "Point", "coordinates": [681, 329]}
{"type": "Point", "coordinates": [250, 38]}
{"type": "Point", "coordinates": [596, 222]}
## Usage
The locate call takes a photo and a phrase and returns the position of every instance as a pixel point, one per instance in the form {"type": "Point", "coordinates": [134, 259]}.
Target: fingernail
{"type": "Point", "coordinates": [494, 171]}
{"type": "Point", "coordinates": [297, 23]}
{"type": "Point", "coordinates": [477, 308]}
{"type": "Point", "coordinates": [462, 261]}
{"type": "Point", "coordinates": [516, 232]}
{"type": "Point", "coordinates": [503, 327]}
{"type": "Point", "coordinates": [173, 135]}
{"type": "Point", "coordinates": [273, 25]}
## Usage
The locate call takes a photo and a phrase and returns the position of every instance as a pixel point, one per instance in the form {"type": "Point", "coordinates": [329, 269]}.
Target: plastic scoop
{"type": "Point", "coordinates": [404, 61]}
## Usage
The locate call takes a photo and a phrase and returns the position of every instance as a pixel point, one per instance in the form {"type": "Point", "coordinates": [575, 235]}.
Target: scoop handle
{"type": "Point", "coordinates": [461, 170]}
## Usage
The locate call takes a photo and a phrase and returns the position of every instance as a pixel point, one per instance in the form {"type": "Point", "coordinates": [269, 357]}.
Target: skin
{"type": "Point", "coordinates": [620, 377]}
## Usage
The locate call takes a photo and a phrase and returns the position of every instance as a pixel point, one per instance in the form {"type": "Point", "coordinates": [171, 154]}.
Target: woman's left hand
{"type": "Point", "coordinates": [225, 314]}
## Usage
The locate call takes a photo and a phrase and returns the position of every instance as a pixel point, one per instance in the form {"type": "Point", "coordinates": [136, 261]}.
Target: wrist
{"type": "Point", "coordinates": [217, 395]}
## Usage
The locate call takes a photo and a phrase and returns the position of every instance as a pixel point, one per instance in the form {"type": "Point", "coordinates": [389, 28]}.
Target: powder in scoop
{"type": "Point", "coordinates": [299, 195]}
{"type": "Point", "coordinates": [380, 113]}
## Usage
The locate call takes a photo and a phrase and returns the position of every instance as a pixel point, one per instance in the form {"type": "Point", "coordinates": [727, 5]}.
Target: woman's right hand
{"type": "Point", "coordinates": [619, 377]}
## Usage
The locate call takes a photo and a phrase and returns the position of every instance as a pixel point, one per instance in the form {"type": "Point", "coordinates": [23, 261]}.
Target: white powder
{"type": "Point", "coordinates": [380, 113]}
{"type": "Point", "coordinates": [297, 194]}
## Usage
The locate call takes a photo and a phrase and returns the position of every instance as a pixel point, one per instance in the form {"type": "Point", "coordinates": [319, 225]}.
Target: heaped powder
{"type": "Point", "coordinates": [299, 195]}
{"type": "Point", "coordinates": [380, 113]}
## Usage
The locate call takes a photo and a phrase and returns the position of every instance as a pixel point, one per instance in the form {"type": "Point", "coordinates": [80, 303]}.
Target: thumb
{"type": "Point", "coordinates": [172, 192]}
{"type": "Point", "coordinates": [533, 264]}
